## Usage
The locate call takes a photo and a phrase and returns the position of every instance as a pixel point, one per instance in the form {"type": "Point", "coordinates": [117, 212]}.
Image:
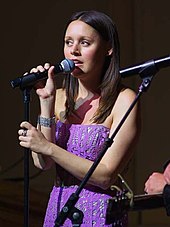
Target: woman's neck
{"type": "Point", "coordinates": [88, 90]}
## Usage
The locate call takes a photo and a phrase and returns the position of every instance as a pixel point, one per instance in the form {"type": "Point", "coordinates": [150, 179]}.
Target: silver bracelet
{"type": "Point", "coordinates": [46, 122]}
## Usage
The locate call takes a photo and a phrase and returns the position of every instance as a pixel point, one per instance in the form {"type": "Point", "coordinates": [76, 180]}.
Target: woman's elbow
{"type": "Point", "coordinates": [105, 182]}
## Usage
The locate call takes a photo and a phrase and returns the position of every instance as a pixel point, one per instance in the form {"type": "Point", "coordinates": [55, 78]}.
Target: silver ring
{"type": "Point", "coordinates": [24, 132]}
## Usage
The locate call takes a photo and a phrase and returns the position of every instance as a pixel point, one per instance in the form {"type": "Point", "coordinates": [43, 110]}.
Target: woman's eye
{"type": "Point", "coordinates": [68, 42]}
{"type": "Point", "coordinates": [85, 43]}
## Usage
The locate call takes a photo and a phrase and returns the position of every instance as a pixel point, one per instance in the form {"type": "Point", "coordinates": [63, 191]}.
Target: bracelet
{"type": "Point", "coordinates": [46, 122]}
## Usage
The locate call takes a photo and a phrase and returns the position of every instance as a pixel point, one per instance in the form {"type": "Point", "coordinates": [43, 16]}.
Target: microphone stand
{"type": "Point", "coordinates": [26, 101]}
{"type": "Point", "coordinates": [75, 215]}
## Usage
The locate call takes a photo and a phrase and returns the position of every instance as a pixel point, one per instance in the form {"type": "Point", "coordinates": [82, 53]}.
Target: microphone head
{"type": "Point", "coordinates": [67, 65]}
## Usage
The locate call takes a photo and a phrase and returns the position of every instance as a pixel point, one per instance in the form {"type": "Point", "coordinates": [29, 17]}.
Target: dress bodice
{"type": "Point", "coordinates": [82, 140]}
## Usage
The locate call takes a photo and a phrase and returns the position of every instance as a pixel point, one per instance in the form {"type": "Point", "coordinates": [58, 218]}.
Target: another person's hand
{"type": "Point", "coordinates": [155, 183]}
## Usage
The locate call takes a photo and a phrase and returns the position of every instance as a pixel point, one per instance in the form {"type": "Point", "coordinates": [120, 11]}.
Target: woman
{"type": "Point", "coordinates": [87, 110]}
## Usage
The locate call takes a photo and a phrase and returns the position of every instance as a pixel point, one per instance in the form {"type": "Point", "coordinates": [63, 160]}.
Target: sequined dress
{"type": "Point", "coordinates": [84, 141]}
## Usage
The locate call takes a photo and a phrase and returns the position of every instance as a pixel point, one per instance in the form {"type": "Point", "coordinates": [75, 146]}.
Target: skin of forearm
{"type": "Point", "coordinates": [78, 167]}
{"type": "Point", "coordinates": [42, 161]}
{"type": "Point", "coordinates": [47, 107]}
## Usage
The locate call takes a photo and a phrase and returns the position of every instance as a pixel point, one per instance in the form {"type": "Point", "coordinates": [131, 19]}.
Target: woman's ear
{"type": "Point", "coordinates": [109, 49]}
{"type": "Point", "coordinates": [109, 52]}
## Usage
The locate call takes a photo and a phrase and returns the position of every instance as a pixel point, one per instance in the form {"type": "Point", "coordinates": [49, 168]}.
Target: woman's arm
{"type": "Point", "coordinates": [46, 93]}
{"type": "Point", "coordinates": [42, 161]}
{"type": "Point", "coordinates": [116, 157]}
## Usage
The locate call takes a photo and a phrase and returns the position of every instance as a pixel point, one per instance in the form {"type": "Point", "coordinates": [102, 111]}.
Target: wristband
{"type": "Point", "coordinates": [46, 122]}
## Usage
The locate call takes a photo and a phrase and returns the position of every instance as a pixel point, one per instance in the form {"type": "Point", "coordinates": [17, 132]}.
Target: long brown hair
{"type": "Point", "coordinates": [111, 76]}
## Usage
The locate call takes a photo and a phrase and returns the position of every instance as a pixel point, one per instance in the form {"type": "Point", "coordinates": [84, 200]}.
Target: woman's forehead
{"type": "Point", "coordinates": [80, 28]}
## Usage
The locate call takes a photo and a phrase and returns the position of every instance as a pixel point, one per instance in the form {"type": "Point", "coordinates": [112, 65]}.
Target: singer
{"type": "Point", "coordinates": [75, 120]}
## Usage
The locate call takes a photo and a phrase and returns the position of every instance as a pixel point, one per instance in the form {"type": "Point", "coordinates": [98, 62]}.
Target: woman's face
{"type": "Point", "coordinates": [86, 48]}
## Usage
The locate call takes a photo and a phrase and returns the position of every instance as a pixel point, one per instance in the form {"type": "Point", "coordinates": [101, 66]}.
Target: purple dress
{"type": "Point", "coordinates": [84, 141]}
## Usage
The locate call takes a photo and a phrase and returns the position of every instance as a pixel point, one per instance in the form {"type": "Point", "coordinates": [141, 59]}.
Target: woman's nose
{"type": "Point", "coordinates": [75, 50]}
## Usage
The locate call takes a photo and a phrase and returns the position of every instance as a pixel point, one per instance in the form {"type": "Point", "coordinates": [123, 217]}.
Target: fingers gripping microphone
{"type": "Point", "coordinates": [65, 66]}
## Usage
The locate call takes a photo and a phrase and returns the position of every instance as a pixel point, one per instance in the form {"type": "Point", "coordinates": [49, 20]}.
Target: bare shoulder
{"type": "Point", "coordinates": [126, 95]}
{"type": "Point", "coordinates": [124, 100]}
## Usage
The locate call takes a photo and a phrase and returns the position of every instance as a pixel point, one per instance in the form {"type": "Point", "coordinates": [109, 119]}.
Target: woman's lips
{"type": "Point", "coordinates": [77, 63]}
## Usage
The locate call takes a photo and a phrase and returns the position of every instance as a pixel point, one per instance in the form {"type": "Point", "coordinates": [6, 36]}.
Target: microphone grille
{"type": "Point", "coordinates": [67, 65]}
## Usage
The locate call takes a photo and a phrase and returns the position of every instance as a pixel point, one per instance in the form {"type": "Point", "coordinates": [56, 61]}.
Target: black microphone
{"type": "Point", "coordinates": [65, 66]}
{"type": "Point", "coordinates": [151, 65]}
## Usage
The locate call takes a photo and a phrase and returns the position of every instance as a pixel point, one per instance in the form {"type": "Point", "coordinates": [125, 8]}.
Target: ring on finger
{"type": "Point", "coordinates": [24, 132]}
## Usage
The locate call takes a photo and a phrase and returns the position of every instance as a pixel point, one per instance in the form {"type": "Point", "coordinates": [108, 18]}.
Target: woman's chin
{"type": "Point", "coordinates": [77, 72]}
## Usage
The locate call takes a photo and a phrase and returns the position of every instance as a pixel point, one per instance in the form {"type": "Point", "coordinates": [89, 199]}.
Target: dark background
{"type": "Point", "coordinates": [32, 34]}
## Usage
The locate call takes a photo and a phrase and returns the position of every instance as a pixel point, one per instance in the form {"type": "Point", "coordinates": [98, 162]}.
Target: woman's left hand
{"type": "Point", "coordinates": [31, 137]}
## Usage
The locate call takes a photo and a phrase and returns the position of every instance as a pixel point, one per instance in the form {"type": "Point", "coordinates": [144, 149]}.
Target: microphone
{"type": "Point", "coordinates": [151, 66]}
{"type": "Point", "coordinates": [65, 66]}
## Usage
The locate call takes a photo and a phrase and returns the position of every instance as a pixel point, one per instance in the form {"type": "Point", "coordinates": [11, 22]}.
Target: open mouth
{"type": "Point", "coordinates": [77, 63]}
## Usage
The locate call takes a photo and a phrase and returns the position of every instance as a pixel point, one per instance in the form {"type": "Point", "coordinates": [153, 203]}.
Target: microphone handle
{"type": "Point", "coordinates": [29, 79]}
